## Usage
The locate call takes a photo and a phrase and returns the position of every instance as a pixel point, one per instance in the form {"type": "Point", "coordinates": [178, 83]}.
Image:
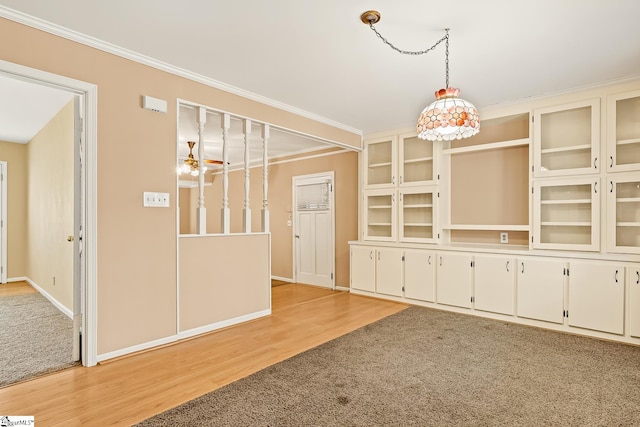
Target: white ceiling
{"type": "Point", "coordinates": [318, 57]}
{"type": "Point", "coordinates": [26, 107]}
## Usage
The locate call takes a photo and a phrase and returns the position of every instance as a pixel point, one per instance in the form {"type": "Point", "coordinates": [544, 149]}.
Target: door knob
{"type": "Point", "coordinates": [69, 238]}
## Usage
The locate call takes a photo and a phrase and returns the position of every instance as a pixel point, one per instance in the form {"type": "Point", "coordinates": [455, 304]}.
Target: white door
{"type": "Point", "coordinates": [78, 221]}
{"type": "Point", "coordinates": [314, 230]}
{"type": "Point", "coordinates": [454, 274]}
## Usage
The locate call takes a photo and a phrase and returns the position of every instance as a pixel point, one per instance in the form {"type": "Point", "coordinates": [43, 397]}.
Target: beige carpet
{"type": "Point", "coordinates": [35, 338]}
{"type": "Point", "coordinates": [423, 367]}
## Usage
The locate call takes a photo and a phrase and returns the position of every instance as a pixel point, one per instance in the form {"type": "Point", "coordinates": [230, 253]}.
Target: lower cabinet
{"type": "Point", "coordinates": [541, 289]}
{"type": "Point", "coordinates": [633, 279]}
{"type": "Point", "coordinates": [494, 284]}
{"type": "Point", "coordinates": [573, 294]}
{"type": "Point", "coordinates": [376, 270]}
{"type": "Point", "coordinates": [596, 296]}
{"type": "Point", "coordinates": [420, 275]}
{"type": "Point", "coordinates": [363, 268]}
{"type": "Point", "coordinates": [454, 272]}
{"type": "Point", "coordinates": [389, 271]}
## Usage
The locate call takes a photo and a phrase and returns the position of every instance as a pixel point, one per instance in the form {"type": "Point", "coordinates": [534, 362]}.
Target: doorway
{"type": "Point", "coordinates": [82, 234]}
{"type": "Point", "coordinates": [314, 229]}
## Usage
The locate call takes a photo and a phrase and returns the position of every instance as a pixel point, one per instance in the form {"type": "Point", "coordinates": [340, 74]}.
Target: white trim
{"type": "Point", "coordinates": [84, 39]}
{"type": "Point", "coordinates": [342, 288]}
{"type": "Point", "coordinates": [3, 218]}
{"type": "Point", "coordinates": [16, 279]}
{"type": "Point", "coordinates": [183, 335]}
{"type": "Point", "coordinates": [89, 92]}
{"type": "Point", "coordinates": [66, 311]}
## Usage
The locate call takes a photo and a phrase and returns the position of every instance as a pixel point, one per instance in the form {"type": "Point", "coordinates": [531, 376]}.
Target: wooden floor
{"type": "Point", "coordinates": [16, 288]}
{"type": "Point", "coordinates": [133, 388]}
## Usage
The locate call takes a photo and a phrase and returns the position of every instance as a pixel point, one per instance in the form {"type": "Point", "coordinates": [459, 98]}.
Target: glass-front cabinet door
{"type": "Point", "coordinates": [380, 214]}
{"type": "Point", "coordinates": [623, 131]}
{"type": "Point", "coordinates": [566, 214]}
{"type": "Point", "coordinates": [566, 139]}
{"type": "Point", "coordinates": [623, 212]}
{"type": "Point", "coordinates": [417, 164]}
{"type": "Point", "coordinates": [380, 162]}
{"type": "Point", "coordinates": [417, 214]}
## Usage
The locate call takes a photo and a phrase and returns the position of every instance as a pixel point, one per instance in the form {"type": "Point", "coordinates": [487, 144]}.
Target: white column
{"type": "Point", "coordinates": [246, 212]}
{"type": "Point", "coordinates": [265, 179]}
{"type": "Point", "coordinates": [202, 211]}
{"type": "Point", "coordinates": [226, 213]}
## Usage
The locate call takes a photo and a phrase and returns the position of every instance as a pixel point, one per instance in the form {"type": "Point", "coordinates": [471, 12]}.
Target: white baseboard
{"type": "Point", "coordinates": [284, 279]}
{"type": "Point", "coordinates": [182, 335]}
{"type": "Point", "coordinates": [342, 288]}
{"type": "Point", "coordinates": [17, 279]}
{"type": "Point", "coordinates": [67, 312]}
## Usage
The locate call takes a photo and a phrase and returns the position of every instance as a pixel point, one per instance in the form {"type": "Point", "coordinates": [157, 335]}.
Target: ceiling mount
{"type": "Point", "coordinates": [370, 17]}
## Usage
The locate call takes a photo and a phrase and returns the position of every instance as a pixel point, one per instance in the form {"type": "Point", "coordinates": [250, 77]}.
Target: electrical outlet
{"type": "Point", "coordinates": [504, 237]}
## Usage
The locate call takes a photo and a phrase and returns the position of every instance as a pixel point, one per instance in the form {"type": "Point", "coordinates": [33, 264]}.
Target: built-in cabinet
{"type": "Point", "coordinates": [535, 220]}
{"type": "Point", "coordinates": [400, 196]}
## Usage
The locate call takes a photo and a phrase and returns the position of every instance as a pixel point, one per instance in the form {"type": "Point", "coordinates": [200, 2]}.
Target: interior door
{"type": "Point", "coordinates": [3, 222]}
{"type": "Point", "coordinates": [78, 264]}
{"type": "Point", "coordinates": [314, 230]}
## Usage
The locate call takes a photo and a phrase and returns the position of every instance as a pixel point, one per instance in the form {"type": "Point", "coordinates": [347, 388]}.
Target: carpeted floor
{"type": "Point", "coordinates": [36, 338]}
{"type": "Point", "coordinates": [426, 367]}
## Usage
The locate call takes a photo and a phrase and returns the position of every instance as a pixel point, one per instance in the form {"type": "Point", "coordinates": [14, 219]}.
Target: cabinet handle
{"type": "Point", "coordinates": [638, 277]}
{"type": "Point", "coordinates": [370, 254]}
{"type": "Point", "coordinates": [400, 179]}
{"type": "Point", "coordinates": [595, 163]}
{"type": "Point", "coordinates": [429, 260]}
{"type": "Point", "coordinates": [393, 180]}
{"type": "Point", "coordinates": [611, 189]}
{"type": "Point", "coordinates": [611, 164]}
{"type": "Point", "coordinates": [507, 266]}
{"type": "Point", "coordinates": [595, 187]}
{"type": "Point", "coordinates": [616, 276]}
{"type": "Point", "coordinates": [441, 261]}
{"type": "Point", "coordinates": [400, 196]}
{"type": "Point", "coordinates": [378, 256]}
{"type": "Point", "coordinates": [522, 267]}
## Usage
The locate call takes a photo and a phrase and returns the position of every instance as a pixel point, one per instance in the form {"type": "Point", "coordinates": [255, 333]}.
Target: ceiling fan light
{"type": "Point", "coordinates": [448, 117]}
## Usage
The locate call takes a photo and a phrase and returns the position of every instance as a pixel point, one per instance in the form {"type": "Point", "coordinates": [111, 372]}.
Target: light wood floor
{"type": "Point", "coordinates": [130, 389]}
{"type": "Point", "coordinates": [16, 288]}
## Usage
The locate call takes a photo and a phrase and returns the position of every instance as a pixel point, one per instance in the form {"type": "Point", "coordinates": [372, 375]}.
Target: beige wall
{"type": "Point", "coordinates": [50, 207]}
{"type": "Point", "coordinates": [136, 254]}
{"type": "Point", "coordinates": [345, 166]}
{"type": "Point", "coordinates": [17, 167]}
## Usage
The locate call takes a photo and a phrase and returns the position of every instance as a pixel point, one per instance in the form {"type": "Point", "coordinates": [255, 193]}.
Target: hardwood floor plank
{"type": "Point", "coordinates": [132, 388]}
{"type": "Point", "coordinates": [16, 288]}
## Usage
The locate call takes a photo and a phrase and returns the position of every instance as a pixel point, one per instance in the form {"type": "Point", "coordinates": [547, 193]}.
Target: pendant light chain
{"type": "Point", "coordinates": [409, 52]}
{"type": "Point", "coordinates": [446, 56]}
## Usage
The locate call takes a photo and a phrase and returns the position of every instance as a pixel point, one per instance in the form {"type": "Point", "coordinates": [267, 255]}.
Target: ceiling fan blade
{"type": "Point", "coordinates": [212, 162]}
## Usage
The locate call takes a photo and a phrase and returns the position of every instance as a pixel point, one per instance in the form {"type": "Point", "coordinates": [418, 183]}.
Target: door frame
{"type": "Point", "coordinates": [3, 218]}
{"type": "Point", "coordinates": [330, 175]}
{"type": "Point", "coordinates": [87, 289]}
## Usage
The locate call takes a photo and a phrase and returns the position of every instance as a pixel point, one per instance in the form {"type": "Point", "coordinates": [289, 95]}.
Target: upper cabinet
{"type": "Point", "coordinates": [566, 139]}
{"type": "Point", "coordinates": [623, 131]}
{"type": "Point", "coordinates": [623, 212]}
{"type": "Point", "coordinates": [380, 162]}
{"type": "Point", "coordinates": [417, 165]}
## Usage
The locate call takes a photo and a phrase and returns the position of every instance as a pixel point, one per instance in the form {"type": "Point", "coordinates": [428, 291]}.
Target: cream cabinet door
{"type": "Point", "coordinates": [540, 289]}
{"type": "Point", "coordinates": [389, 271]}
{"type": "Point", "coordinates": [419, 275]}
{"type": "Point", "coordinates": [380, 162]}
{"type": "Point", "coordinates": [494, 284]}
{"type": "Point", "coordinates": [454, 273]}
{"type": "Point", "coordinates": [363, 268]}
{"type": "Point", "coordinates": [633, 279]}
{"type": "Point", "coordinates": [596, 296]}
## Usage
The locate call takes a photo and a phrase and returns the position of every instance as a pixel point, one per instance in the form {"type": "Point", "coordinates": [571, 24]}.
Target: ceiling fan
{"type": "Point", "coordinates": [190, 164]}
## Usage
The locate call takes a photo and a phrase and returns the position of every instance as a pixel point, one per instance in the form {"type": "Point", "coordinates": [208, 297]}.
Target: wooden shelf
{"type": "Point", "coordinates": [628, 141]}
{"type": "Point", "coordinates": [565, 149]}
{"type": "Point", "coordinates": [379, 165]}
{"type": "Point", "coordinates": [566, 202]}
{"type": "Point", "coordinates": [424, 205]}
{"type": "Point", "coordinates": [380, 207]}
{"type": "Point", "coordinates": [418, 160]}
{"type": "Point", "coordinates": [490, 146]}
{"type": "Point", "coordinates": [566, 224]}
{"type": "Point", "coordinates": [379, 224]}
{"type": "Point", "coordinates": [487, 227]}
{"type": "Point", "coordinates": [627, 224]}
{"type": "Point", "coordinates": [628, 200]}
{"type": "Point", "coordinates": [418, 224]}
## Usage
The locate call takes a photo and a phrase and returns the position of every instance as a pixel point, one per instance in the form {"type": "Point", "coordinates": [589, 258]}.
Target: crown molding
{"type": "Point", "coordinates": [60, 31]}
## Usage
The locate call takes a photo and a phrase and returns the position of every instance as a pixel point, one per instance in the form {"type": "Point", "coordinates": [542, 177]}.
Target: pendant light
{"type": "Point", "coordinates": [449, 117]}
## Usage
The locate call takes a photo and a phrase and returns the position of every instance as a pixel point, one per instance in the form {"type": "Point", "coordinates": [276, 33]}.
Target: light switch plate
{"type": "Point", "coordinates": [155, 200]}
